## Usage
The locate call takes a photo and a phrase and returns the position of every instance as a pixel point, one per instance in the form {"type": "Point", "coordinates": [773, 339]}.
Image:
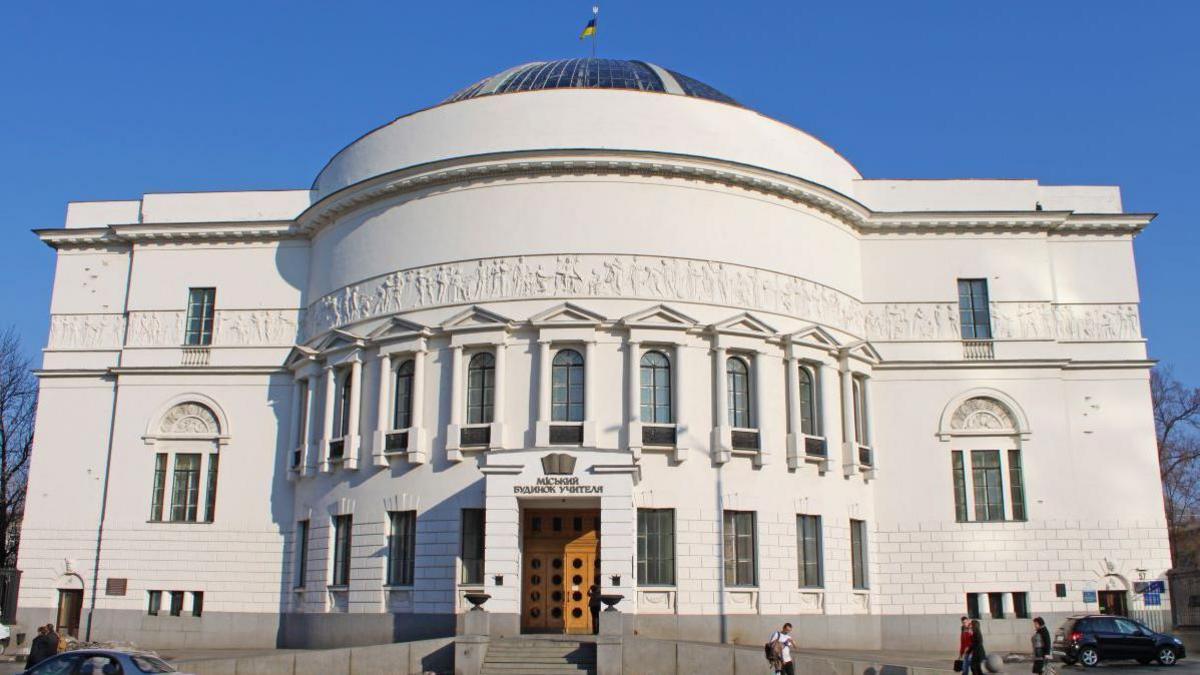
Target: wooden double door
{"type": "Point", "coordinates": [560, 571]}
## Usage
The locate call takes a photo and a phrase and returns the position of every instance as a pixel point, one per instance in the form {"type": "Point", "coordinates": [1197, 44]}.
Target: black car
{"type": "Point", "coordinates": [1094, 638]}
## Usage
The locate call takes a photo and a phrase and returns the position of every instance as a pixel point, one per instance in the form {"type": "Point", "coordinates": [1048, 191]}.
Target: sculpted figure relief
{"type": "Point", "coordinates": [189, 418]}
{"type": "Point", "coordinates": [86, 331]}
{"type": "Point", "coordinates": [584, 275]}
{"type": "Point", "coordinates": [982, 414]}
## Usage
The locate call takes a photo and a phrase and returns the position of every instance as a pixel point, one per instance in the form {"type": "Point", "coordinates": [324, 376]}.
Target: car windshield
{"type": "Point", "coordinates": [151, 664]}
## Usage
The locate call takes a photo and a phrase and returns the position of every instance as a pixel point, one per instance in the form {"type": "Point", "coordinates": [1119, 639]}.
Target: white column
{"type": "Point", "coordinates": [795, 442]}
{"type": "Point", "coordinates": [294, 428]}
{"type": "Point", "coordinates": [678, 400]}
{"type": "Point", "coordinates": [589, 394]}
{"type": "Point", "coordinates": [541, 430]}
{"type": "Point", "coordinates": [722, 441]}
{"type": "Point", "coordinates": [383, 420]}
{"type": "Point", "coordinates": [498, 397]}
{"type": "Point", "coordinates": [310, 417]}
{"type": "Point", "coordinates": [417, 449]}
{"type": "Point", "coordinates": [849, 440]}
{"type": "Point", "coordinates": [327, 422]}
{"type": "Point", "coordinates": [633, 403]}
{"type": "Point", "coordinates": [831, 420]}
{"type": "Point", "coordinates": [353, 415]}
{"type": "Point", "coordinates": [761, 419]}
{"type": "Point", "coordinates": [454, 430]}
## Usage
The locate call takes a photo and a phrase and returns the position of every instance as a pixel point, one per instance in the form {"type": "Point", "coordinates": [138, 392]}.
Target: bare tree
{"type": "Point", "coordinates": [18, 406]}
{"type": "Point", "coordinates": [1177, 423]}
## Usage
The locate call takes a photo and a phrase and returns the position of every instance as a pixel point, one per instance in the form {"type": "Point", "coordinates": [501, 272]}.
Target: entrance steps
{"type": "Point", "coordinates": [540, 657]}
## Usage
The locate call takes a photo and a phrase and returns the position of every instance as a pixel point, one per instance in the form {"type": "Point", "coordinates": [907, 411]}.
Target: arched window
{"type": "Point", "coordinates": [737, 378]}
{"type": "Point", "coordinates": [402, 416]}
{"type": "Point", "coordinates": [342, 424]}
{"type": "Point", "coordinates": [481, 388]}
{"type": "Point", "coordinates": [185, 464]}
{"type": "Point", "coordinates": [808, 399]}
{"type": "Point", "coordinates": [656, 388]}
{"type": "Point", "coordinates": [566, 402]}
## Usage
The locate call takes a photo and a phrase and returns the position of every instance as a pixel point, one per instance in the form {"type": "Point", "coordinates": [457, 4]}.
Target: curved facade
{"type": "Point", "coordinates": [568, 340]}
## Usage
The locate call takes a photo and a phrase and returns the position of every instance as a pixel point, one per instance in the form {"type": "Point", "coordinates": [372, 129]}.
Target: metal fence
{"type": "Point", "coordinates": [1185, 597]}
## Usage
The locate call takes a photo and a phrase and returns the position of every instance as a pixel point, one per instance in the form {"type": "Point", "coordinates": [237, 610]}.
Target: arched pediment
{"type": "Point", "coordinates": [190, 416]}
{"type": "Point", "coordinates": [982, 412]}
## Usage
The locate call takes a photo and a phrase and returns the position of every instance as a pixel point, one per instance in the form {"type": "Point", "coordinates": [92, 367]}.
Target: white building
{"type": "Point", "coordinates": [580, 295]}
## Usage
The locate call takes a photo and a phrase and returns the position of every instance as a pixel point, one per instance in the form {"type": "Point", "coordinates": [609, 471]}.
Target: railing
{"type": "Point", "coordinates": [815, 446]}
{"type": "Point", "coordinates": [397, 441]}
{"type": "Point", "coordinates": [475, 436]}
{"type": "Point", "coordinates": [658, 435]}
{"type": "Point", "coordinates": [337, 449]}
{"type": "Point", "coordinates": [195, 356]}
{"type": "Point", "coordinates": [566, 434]}
{"type": "Point", "coordinates": [297, 456]}
{"type": "Point", "coordinates": [978, 350]}
{"type": "Point", "coordinates": [744, 440]}
{"type": "Point", "coordinates": [865, 456]}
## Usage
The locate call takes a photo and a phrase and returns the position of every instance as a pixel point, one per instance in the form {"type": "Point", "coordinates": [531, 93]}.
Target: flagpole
{"type": "Point", "coordinates": [595, 28]}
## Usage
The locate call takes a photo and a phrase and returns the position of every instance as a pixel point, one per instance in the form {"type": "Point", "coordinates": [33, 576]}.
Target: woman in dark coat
{"type": "Point", "coordinates": [1041, 644]}
{"type": "Point", "coordinates": [978, 655]}
{"type": "Point", "coordinates": [41, 648]}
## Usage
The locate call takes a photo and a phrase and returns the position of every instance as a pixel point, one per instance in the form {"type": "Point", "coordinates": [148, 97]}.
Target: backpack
{"type": "Point", "coordinates": [773, 649]}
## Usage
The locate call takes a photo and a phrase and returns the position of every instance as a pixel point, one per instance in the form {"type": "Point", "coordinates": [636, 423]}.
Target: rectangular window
{"type": "Point", "coordinates": [989, 488]}
{"type": "Point", "coordinates": [973, 313]}
{"type": "Point", "coordinates": [960, 485]}
{"type": "Point", "coordinates": [197, 603]}
{"type": "Point", "coordinates": [343, 527]}
{"type": "Point", "coordinates": [176, 603]}
{"type": "Point", "coordinates": [210, 500]}
{"type": "Point", "coordinates": [740, 550]}
{"type": "Point", "coordinates": [341, 417]}
{"type": "Point", "coordinates": [808, 535]}
{"type": "Point", "coordinates": [155, 604]}
{"type": "Point", "coordinates": [860, 411]}
{"type": "Point", "coordinates": [1021, 605]}
{"type": "Point", "coordinates": [858, 554]}
{"type": "Point", "coordinates": [402, 547]}
{"type": "Point", "coordinates": [973, 606]}
{"type": "Point", "coordinates": [656, 547]}
{"type": "Point", "coordinates": [160, 487]}
{"type": "Point", "coordinates": [302, 423]}
{"type": "Point", "coordinates": [996, 605]}
{"type": "Point", "coordinates": [472, 546]}
{"type": "Point", "coordinates": [199, 329]}
{"type": "Point", "coordinates": [1016, 484]}
{"type": "Point", "coordinates": [185, 492]}
{"type": "Point", "coordinates": [301, 553]}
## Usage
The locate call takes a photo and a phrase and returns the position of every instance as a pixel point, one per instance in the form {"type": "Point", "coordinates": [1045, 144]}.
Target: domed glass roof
{"type": "Point", "coordinates": [591, 74]}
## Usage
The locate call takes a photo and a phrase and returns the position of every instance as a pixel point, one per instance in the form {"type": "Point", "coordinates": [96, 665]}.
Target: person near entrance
{"type": "Point", "coordinates": [43, 647]}
{"type": "Point", "coordinates": [779, 650]}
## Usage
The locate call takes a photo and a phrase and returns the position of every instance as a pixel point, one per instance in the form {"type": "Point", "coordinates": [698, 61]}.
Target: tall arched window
{"type": "Point", "coordinates": [656, 388]}
{"type": "Point", "coordinates": [342, 424]}
{"type": "Point", "coordinates": [566, 402]}
{"type": "Point", "coordinates": [481, 388]}
{"type": "Point", "coordinates": [808, 399]}
{"type": "Point", "coordinates": [737, 378]}
{"type": "Point", "coordinates": [402, 416]}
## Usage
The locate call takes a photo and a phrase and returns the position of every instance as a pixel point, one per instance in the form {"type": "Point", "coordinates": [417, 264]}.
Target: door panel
{"type": "Point", "coordinates": [70, 606]}
{"type": "Point", "coordinates": [559, 571]}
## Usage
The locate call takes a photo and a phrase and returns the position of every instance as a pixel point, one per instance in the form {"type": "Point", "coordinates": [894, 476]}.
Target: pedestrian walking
{"type": "Point", "coordinates": [1041, 645]}
{"type": "Point", "coordinates": [41, 648]}
{"type": "Point", "coordinates": [978, 655]}
{"type": "Point", "coordinates": [779, 650]}
{"type": "Point", "coordinates": [962, 664]}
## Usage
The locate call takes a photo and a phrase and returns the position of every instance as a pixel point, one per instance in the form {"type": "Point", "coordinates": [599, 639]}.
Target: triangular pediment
{"type": "Point", "coordinates": [567, 314]}
{"type": "Point", "coordinates": [397, 327]}
{"type": "Point", "coordinates": [337, 339]}
{"type": "Point", "coordinates": [476, 317]}
{"type": "Point", "coordinates": [863, 350]}
{"type": "Point", "coordinates": [298, 355]}
{"type": "Point", "coordinates": [814, 335]}
{"type": "Point", "coordinates": [659, 316]}
{"type": "Point", "coordinates": [745, 324]}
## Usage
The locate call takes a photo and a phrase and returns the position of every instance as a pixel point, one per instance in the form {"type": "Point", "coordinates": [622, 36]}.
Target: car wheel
{"type": "Point", "coordinates": [1089, 657]}
{"type": "Point", "coordinates": [1167, 656]}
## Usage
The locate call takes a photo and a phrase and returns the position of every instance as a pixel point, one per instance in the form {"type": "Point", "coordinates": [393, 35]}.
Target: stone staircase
{"type": "Point", "coordinates": [539, 657]}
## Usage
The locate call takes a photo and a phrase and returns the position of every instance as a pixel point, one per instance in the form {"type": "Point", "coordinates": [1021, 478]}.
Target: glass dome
{"type": "Point", "coordinates": [592, 74]}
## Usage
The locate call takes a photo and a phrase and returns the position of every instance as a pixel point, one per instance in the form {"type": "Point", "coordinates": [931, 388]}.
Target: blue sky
{"type": "Point", "coordinates": [111, 100]}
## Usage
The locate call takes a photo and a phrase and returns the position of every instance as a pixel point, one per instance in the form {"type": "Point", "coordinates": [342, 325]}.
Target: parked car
{"type": "Point", "coordinates": [101, 662]}
{"type": "Point", "coordinates": [1090, 639]}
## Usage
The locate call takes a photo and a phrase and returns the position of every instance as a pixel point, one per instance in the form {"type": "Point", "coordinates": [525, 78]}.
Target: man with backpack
{"type": "Point", "coordinates": [779, 650]}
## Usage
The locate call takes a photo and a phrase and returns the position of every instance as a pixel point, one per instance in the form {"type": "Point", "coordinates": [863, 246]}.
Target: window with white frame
{"type": "Point", "coordinates": [858, 554]}
{"type": "Point", "coordinates": [301, 424]}
{"type": "Point", "coordinates": [403, 400]}
{"type": "Point", "coordinates": [740, 551]}
{"type": "Point", "coordinates": [737, 379]}
{"type": "Point", "coordinates": [481, 388]}
{"type": "Point", "coordinates": [471, 545]}
{"type": "Point", "coordinates": [809, 422]}
{"type": "Point", "coordinates": [983, 477]}
{"type": "Point", "coordinates": [402, 547]}
{"type": "Point", "coordinates": [343, 546]}
{"type": "Point", "coordinates": [655, 381]}
{"type": "Point", "coordinates": [185, 492]}
{"type": "Point", "coordinates": [301, 554]}
{"type": "Point", "coordinates": [859, 399]}
{"type": "Point", "coordinates": [198, 328]}
{"type": "Point", "coordinates": [811, 552]}
{"type": "Point", "coordinates": [341, 417]}
{"type": "Point", "coordinates": [656, 547]}
{"type": "Point", "coordinates": [566, 387]}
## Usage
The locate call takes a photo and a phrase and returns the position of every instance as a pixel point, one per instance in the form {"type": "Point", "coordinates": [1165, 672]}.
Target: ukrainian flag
{"type": "Point", "coordinates": [588, 30]}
